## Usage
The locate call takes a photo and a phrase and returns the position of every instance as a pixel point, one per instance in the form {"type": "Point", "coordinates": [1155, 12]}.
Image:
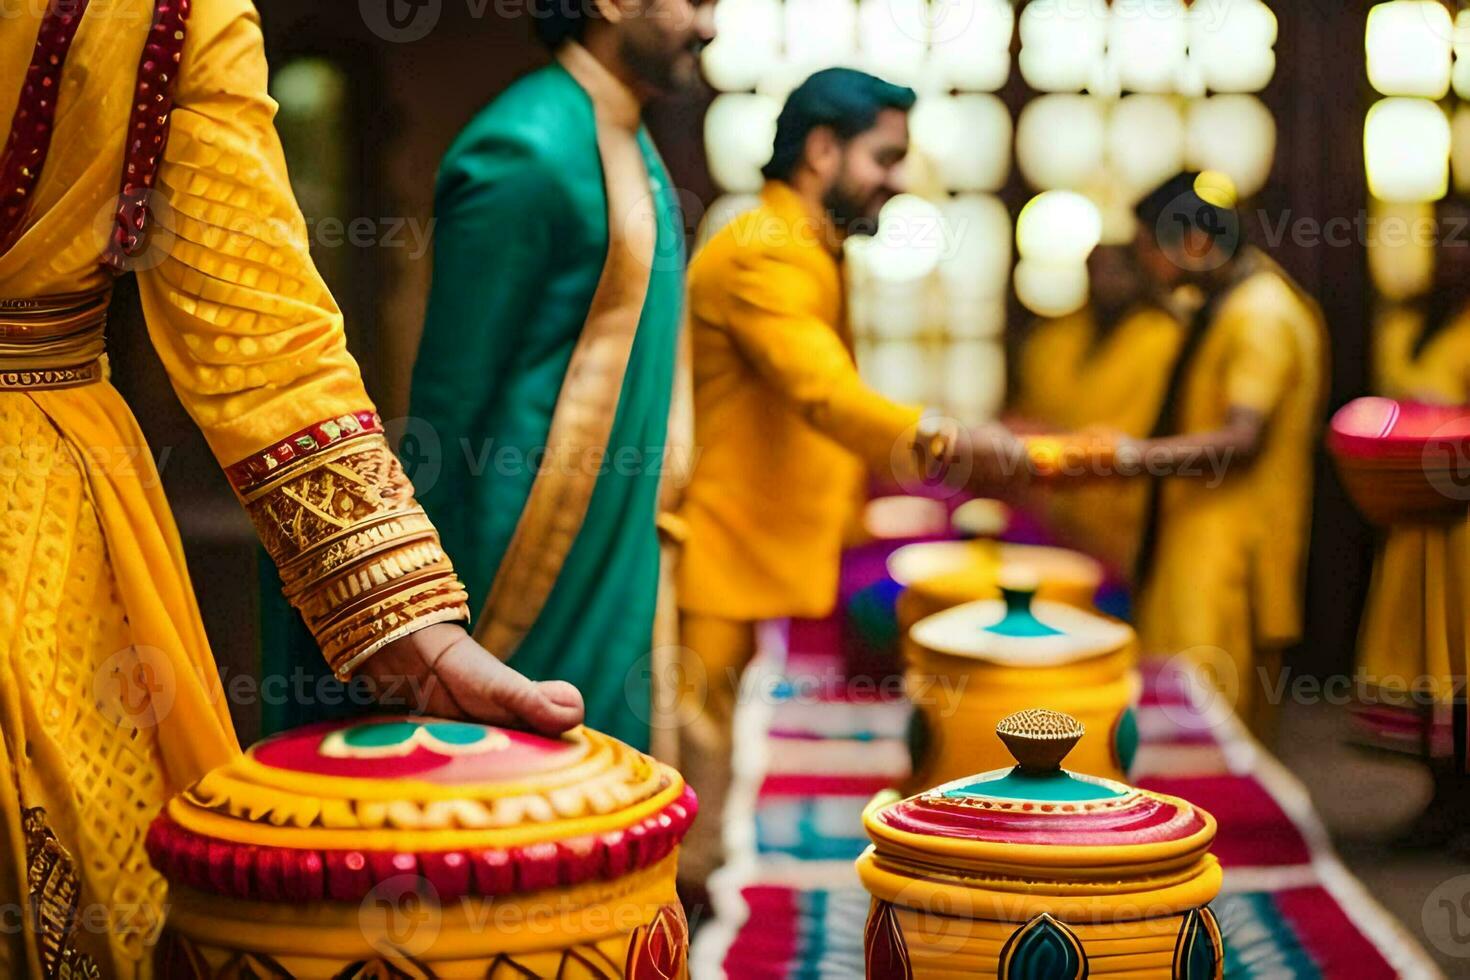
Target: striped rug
{"type": "Point", "coordinates": [813, 745]}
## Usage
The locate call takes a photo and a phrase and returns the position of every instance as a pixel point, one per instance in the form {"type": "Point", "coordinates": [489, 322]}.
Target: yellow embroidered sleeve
{"type": "Point", "coordinates": [254, 346]}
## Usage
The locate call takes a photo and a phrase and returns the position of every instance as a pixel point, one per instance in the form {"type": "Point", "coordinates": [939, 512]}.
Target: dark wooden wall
{"type": "Point", "coordinates": [1320, 95]}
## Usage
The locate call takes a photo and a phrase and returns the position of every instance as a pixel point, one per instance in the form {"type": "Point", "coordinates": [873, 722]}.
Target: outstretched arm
{"type": "Point", "coordinates": [255, 348]}
{"type": "Point", "coordinates": [1237, 442]}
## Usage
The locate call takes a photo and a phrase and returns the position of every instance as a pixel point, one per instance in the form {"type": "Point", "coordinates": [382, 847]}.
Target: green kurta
{"type": "Point", "coordinates": [520, 240]}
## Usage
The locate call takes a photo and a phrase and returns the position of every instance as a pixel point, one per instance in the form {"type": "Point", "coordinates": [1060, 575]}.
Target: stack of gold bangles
{"type": "Point", "coordinates": [357, 555]}
{"type": "Point", "coordinates": [49, 342]}
{"type": "Point", "coordinates": [1074, 456]}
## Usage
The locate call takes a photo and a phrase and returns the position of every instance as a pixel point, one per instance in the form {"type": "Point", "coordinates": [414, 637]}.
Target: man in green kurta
{"type": "Point", "coordinates": [547, 319]}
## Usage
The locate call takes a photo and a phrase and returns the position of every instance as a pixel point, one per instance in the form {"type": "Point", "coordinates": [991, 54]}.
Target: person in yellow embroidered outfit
{"type": "Point", "coordinates": [1413, 637]}
{"type": "Point", "coordinates": [1222, 557]}
{"type": "Point", "coordinates": [787, 433]}
{"type": "Point", "coordinates": [1102, 367]}
{"type": "Point", "coordinates": [109, 700]}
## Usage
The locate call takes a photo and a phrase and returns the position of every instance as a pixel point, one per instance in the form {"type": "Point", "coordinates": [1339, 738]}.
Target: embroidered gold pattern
{"type": "Point", "coordinates": [51, 378]}
{"type": "Point", "coordinates": [55, 890]}
{"type": "Point", "coordinates": [358, 557]}
{"type": "Point", "coordinates": [51, 342]}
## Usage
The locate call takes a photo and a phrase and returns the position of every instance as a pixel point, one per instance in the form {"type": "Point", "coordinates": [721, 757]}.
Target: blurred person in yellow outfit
{"type": "Point", "coordinates": [1105, 367]}
{"type": "Point", "coordinates": [1412, 644]}
{"type": "Point", "coordinates": [787, 433]}
{"type": "Point", "coordinates": [1222, 557]}
{"type": "Point", "coordinates": [140, 140]}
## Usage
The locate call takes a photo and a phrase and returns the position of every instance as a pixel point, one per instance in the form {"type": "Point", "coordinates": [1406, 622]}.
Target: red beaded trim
{"type": "Point", "coordinates": [288, 874]}
{"type": "Point", "coordinates": [158, 75]}
{"type": "Point", "coordinates": [254, 470]}
{"type": "Point", "coordinates": [31, 127]}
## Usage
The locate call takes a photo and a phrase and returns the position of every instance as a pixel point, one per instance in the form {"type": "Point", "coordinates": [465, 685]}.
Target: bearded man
{"type": "Point", "coordinates": [788, 435]}
{"type": "Point", "coordinates": [548, 359]}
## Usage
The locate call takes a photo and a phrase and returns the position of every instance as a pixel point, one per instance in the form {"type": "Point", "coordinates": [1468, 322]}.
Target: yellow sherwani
{"type": "Point", "coordinates": [785, 428]}
{"type": "Point", "coordinates": [1414, 621]}
{"type": "Point", "coordinates": [1228, 575]}
{"type": "Point", "coordinates": [109, 699]}
{"type": "Point", "coordinates": [1068, 380]}
{"type": "Point", "coordinates": [786, 434]}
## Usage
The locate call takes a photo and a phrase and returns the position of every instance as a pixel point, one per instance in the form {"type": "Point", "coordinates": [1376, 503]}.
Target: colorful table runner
{"type": "Point", "coordinates": [814, 744]}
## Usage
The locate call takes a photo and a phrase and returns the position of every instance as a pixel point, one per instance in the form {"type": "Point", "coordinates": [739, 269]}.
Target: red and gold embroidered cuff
{"type": "Point", "coordinates": [358, 557]}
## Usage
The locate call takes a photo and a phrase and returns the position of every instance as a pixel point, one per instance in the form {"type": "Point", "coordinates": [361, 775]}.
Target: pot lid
{"type": "Point", "coordinates": [981, 518]}
{"type": "Point", "coordinates": [330, 810]}
{"type": "Point", "coordinates": [900, 517]}
{"type": "Point", "coordinates": [1018, 630]}
{"type": "Point", "coordinates": [1384, 429]}
{"type": "Point", "coordinates": [974, 567]}
{"type": "Point", "coordinates": [1037, 814]}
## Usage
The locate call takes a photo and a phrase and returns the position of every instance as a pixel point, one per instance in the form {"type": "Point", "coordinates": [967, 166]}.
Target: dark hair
{"type": "Point", "coordinates": [558, 21]}
{"type": "Point", "coordinates": [1177, 207]}
{"type": "Point", "coordinates": [844, 100]}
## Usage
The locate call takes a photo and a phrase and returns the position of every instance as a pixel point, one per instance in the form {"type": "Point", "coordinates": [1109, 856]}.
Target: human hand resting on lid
{"type": "Point", "coordinates": [440, 670]}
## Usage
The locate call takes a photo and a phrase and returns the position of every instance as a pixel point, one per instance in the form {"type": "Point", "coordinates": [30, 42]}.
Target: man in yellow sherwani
{"type": "Point", "coordinates": [1222, 559]}
{"type": "Point", "coordinates": [787, 434]}
{"type": "Point", "coordinates": [140, 138]}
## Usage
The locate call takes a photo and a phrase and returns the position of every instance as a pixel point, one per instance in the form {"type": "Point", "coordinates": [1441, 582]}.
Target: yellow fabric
{"type": "Point", "coordinates": [785, 429]}
{"type": "Point", "coordinates": [94, 769]}
{"type": "Point", "coordinates": [1069, 380]}
{"type": "Point", "coordinates": [92, 563]}
{"type": "Point", "coordinates": [1230, 563]}
{"type": "Point", "coordinates": [1414, 627]}
{"type": "Point", "coordinates": [1440, 373]}
{"type": "Point", "coordinates": [714, 653]}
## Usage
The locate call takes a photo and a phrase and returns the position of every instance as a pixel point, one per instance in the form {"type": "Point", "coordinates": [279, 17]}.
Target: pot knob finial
{"type": "Point", "coordinates": [1039, 738]}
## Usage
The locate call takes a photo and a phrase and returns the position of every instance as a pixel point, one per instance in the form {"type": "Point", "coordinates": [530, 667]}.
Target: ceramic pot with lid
{"type": "Point", "coordinates": [403, 846]}
{"type": "Point", "coordinates": [1033, 872]}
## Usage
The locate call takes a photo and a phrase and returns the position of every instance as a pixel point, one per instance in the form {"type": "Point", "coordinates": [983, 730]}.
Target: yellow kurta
{"type": "Point", "coordinates": [785, 436]}
{"type": "Point", "coordinates": [1414, 621]}
{"type": "Point", "coordinates": [1069, 380]}
{"type": "Point", "coordinates": [109, 699]}
{"type": "Point", "coordinates": [786, 431]}
{"type": "Point", "coordinates": [1228, 574]}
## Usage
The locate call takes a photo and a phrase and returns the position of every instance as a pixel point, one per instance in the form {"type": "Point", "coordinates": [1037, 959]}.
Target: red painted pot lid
{"type": "Point", "coordinates": [1037, 814]}
{"type": "Point", "coordinates": [1388, 430]}
{"type": "Point", "coordinates": [329, 811]}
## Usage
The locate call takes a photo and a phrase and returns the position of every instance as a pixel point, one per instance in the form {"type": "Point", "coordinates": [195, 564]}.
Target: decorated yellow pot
{"type": "Point", "coordinates": [424, 848]}
{"type": "Point", "coordinates": [970, 666]}
{"type": "Point", "coordinates": [942, 574]}
{"type": "Point", "coordinates": [1032, 872]}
